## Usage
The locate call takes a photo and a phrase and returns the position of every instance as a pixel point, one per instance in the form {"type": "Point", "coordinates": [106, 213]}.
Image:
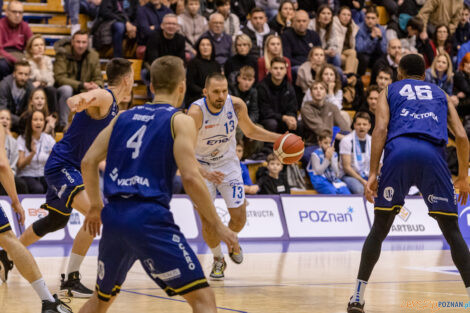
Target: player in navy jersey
{"type": "Point", "coordinates": [95, 110]}
{"type": "Point", "coordinates": [143, 148]}
{"type": "Point", "coordinates": [411, 127]}
{"type": "Point", "coordinates": [23, 258]}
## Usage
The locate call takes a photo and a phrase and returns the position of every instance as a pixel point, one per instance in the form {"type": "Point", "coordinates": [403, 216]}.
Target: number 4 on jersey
{"type": "Point", "coordinates": [136, 141]}
{"type": "Point", "coordinates": [422, 92]}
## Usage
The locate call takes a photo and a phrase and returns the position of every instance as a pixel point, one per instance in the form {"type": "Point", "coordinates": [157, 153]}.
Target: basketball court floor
{"type": "Point", "coordinates": [278, 277]}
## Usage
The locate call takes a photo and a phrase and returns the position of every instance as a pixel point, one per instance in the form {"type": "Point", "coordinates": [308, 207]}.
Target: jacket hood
{"type": "Point", "coordinates": [265, 31]}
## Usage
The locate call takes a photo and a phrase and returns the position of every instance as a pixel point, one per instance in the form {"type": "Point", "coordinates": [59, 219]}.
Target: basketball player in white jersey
{"type": "Point", "coordinates": [217, 116]}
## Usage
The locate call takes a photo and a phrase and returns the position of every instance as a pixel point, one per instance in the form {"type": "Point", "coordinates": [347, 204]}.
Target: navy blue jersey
{"type": "Point", "coordinates": [80, 135]}
{"type": "Point", "coordinates": [419, 109]}
{"type": "Point", "coordinates": [140, 157]}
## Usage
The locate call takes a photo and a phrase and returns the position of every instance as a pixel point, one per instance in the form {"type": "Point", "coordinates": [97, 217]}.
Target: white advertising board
{"type": "Point", "coordinates": [262, 218]}
{"type": "Point", "coordinates": [75, 223]}
{"type": "Point", "coordinates": [413, 220]}
{"type": "Point", "coordinates": [33, 212]}
{"type": "Point", "coordinates": [321, 216]}
{"type": "Point", "coordinates": [185, 218]}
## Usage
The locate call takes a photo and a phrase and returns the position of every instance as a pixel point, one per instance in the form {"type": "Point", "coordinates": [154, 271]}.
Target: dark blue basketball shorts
{"type": "Point", "coordinates": [412, 161]}
{"type": "Point", "coordinates": [63, 184]}
{"type": "Point", "coordinates": [4, 223]}
{"type": "Point", "coordinates": [144, 230]}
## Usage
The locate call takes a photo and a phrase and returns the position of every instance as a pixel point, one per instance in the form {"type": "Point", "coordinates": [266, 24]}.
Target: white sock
{"type": "Point", "coordinates": [468, 291]}
{"type": "Point", "coordinates": [358, 295]}
{"type": "Point", "coordinates": [41, 289]}
{"type": "Point", "coordinates": [217, 252]}
{"type": "Point", "coordinates": [75, 261]}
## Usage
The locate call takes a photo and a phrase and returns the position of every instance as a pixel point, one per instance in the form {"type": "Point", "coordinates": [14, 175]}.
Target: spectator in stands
{"type": "Point", "coordinates": [323, 168]}
{"type": "Point", "coordinates": [149, 18]}
{"type": "Point", "coordinates": [76, 69]}
{"type": "Point", "coordinates": [250, 188]}
{"type": "Point", "coordinates": [269, 6]}
{"type": "Point", "coordinates": [258, 30]}
{"type": "Point", "coordinates": [384, 77]}
{"type": "Point", "coordinates": [319, 114]}
{"type": "Point", "coordinates": [329, 75]}
{"type": "Point", "coordinates": [462, 33]}
{"type": "Point", "coordinates": [15, 90]}
{"type": "Point", "coordinates": [356, 7]}
{"type": "Point", "coordinates": [14, 34]}
{"type": "Point", "coordinates": [42, 71]}
{"type": "Point", "coordinates": [221, 41]}
{"type": "Point", "coordinates": [441, 41]}
{"type": "Point", "coordinates": [272, 48]}
{"type": "Point", "coordinates": [409, 37]}
{"type": "Point", "coordinates": [11, 149]}
{"type": "Point", "coordinates": [241, 58]}
{"type": "Point", "coordinates": [309, 69]}
{"type": "Point", "coordinates": [464, 49]}
{"type": "Point", "coordinates": [192, 25]}
{"type": "Point", "coordinates": [284, 17]}
{"type": "Point", "coordinates": [370, 41]}
{"type": "Point", "coordinates": [299, 40]}
{"type": "Point", "coordinates": [372, 98]}
{"type": "Point", "coordinates": [242, 8]}
{"type": "Point", "coordinates": [436, 12]}
{"type": "Point", "coordinates": [34, 148]}
{"type": "Point", "coordinates": [441, 74]}
{"type": "Point", "coordinates": [391, 60]}
{"type": "Point", "coordinates": [165, 41]}
{"type": "Point", "coordinates": [199, 68]}
{"type": "Point", "coordinates": [323, 25]}
{"type": "Point", "coordinates": [38, 102]}
{"type": "Point", "coordinates": [390, 5]}
{"type": "Point", "coordinates": [346, 31]}
{"type": "Point", "coordinates": [354, 150]}
{"type": "Point", "coordinates": [123, 13]}
{"type": "Point", "coordinates": [274, 182]}
{"type": "Point", "coordinates": [243, 88]}
{"type": "Point", "coordinates": [462, 86]}
{"type": "Point", "coordinates": [276, 98]}
{"type": "Point", "coordinates": [232, 23]}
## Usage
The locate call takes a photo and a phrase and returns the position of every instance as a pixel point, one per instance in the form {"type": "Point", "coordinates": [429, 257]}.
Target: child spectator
{"type": "Point", "coordinates": [250, 188]}
{"type": "Point", "coordinates": [384, 77]}
{"type": "Point", "coordinates": [329, 75]}
{"type": "Point", "coordinates": [355, 151]}
{"type": "Point", "coordinates": [34, 148]}
{"type": "Point", "coordinates": [192, 25]}
{"type": "Point", "coordinates": [244, 89]}
{"type": "Point", "coordinates": [323, 168]}
{"type": "Point", "coordinates": [274, 182]}
{"type": "Point", "coordinates": [11, 149]}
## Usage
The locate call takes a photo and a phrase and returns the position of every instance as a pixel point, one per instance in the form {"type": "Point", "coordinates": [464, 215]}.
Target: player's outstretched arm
{"type": "Point", "coordinates": [461, 141]}
{"type": "Point", "coordinates": [248, 127]}
{"type": "Point", "coordinates": [379, 136]}
{"type": "Point", "coordinates": [90, 172]}
{"type": "Point", "coordinates": [194, 185]}
{"type": "Point", "coordinates": [95, 98]}
{"type": "Point", "coordinates": [7, 179]}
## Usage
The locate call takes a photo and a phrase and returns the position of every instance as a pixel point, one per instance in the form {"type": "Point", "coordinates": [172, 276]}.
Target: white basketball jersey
{"type": "Point", "coordinates": [216, 140]}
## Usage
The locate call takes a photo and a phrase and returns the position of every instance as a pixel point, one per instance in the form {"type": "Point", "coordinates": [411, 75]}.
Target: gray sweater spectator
{"type": "Point", "coordinates": [192, 25]}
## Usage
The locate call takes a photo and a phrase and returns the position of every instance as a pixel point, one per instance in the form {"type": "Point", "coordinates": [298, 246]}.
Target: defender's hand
{"type": "Point", "coordinates": [93, 221]}
{"type": "Point", "coordinates": [18, 208]}
{"type": "Point", "coordinates": [464, 189]}
{"type": "Point", "coordinates": [371, 188]}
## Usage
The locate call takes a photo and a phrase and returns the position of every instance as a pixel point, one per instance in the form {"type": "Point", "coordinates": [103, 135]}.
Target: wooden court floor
{"type": "Point", "coordinates": [275, 283]}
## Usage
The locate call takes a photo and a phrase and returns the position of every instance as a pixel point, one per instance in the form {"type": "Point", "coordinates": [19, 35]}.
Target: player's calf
{"type": "Point", "coordinates": [201, 300]}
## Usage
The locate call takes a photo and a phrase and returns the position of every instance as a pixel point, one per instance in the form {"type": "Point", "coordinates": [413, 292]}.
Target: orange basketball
{"type": "Point", "coordinates": [289, 148]}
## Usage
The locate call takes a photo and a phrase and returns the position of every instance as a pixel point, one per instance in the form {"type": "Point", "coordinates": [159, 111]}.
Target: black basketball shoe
{"type": "Point", "coordinates": [72, 287]}
{"type": "Point", "coordinates": [356, 307]}
{"type": "Point", "coordinates": [55, 307]}
{"type": "Point", "coordinates": [5, 265]}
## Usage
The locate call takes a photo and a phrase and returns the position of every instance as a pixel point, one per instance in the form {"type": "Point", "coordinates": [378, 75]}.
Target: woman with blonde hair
{"type": "Point", "coordinates": [272, 48]}
{"type": "Point", "coordinates": [242, 46]}
{"type": "Point", "coordinates": [441, 74]}
{"type": "Point", "coordinates": [42, 72]}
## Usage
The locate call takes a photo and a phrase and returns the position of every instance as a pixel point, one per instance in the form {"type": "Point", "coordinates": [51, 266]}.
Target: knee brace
{"type": "Point", "coordinates": [52, 222]}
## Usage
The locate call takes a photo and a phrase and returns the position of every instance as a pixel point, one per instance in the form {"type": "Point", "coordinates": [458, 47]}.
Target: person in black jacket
{"type": "Point", "coordinates": [242, 8]}
{"type": "Point", "coordinates": [462, 86]}
{"type": "Point", "coordinates": [273, 182]}
{"type": "Point", "coordinates": [165, 41]}
{"type": "Point", "coordinates": [240, 59]}
{"type": "Point", "coordinates": [298, 40]}
{"type": "Point", "coordinates": [243, 88]}
{"type": "Point", "coordinates": [123, 13]}
{"type": "Point", "coordinates": [199, 68]}
{"type": "Point", "coordinates": [283, 19]}
{"type": "Point", "coordinates": [276, 99]}
{"type": "Point", "coordinates": [462, 33]}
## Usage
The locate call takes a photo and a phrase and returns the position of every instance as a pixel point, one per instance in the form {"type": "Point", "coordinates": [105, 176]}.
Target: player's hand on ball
{"type": "Point", "coordinates": [464, 189]}
{"type": "Point", "coordinates": [229, 237]}
{"type": "Point", "coordinates": [92, 223]}
{"type": "Point", "coordinates": [371, 188]}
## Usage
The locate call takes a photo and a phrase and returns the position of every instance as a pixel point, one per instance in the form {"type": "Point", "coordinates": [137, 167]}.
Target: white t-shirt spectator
{"type": "Point", "coordinates": [43, 150]}
{"type": "Point", "coordinates": [358, 150]}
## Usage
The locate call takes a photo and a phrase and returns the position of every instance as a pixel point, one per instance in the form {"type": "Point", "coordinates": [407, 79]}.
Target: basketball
{"type": "Point", "coordinates": [289, 148]}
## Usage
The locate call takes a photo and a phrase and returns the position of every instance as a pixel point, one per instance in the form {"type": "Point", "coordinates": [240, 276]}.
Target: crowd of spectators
{"type": "Point", "coordinates": [300, 65]}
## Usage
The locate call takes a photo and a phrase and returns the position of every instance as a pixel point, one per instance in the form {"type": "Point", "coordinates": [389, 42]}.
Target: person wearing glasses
{"type": "Point", "coordinates": [14, 34]}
